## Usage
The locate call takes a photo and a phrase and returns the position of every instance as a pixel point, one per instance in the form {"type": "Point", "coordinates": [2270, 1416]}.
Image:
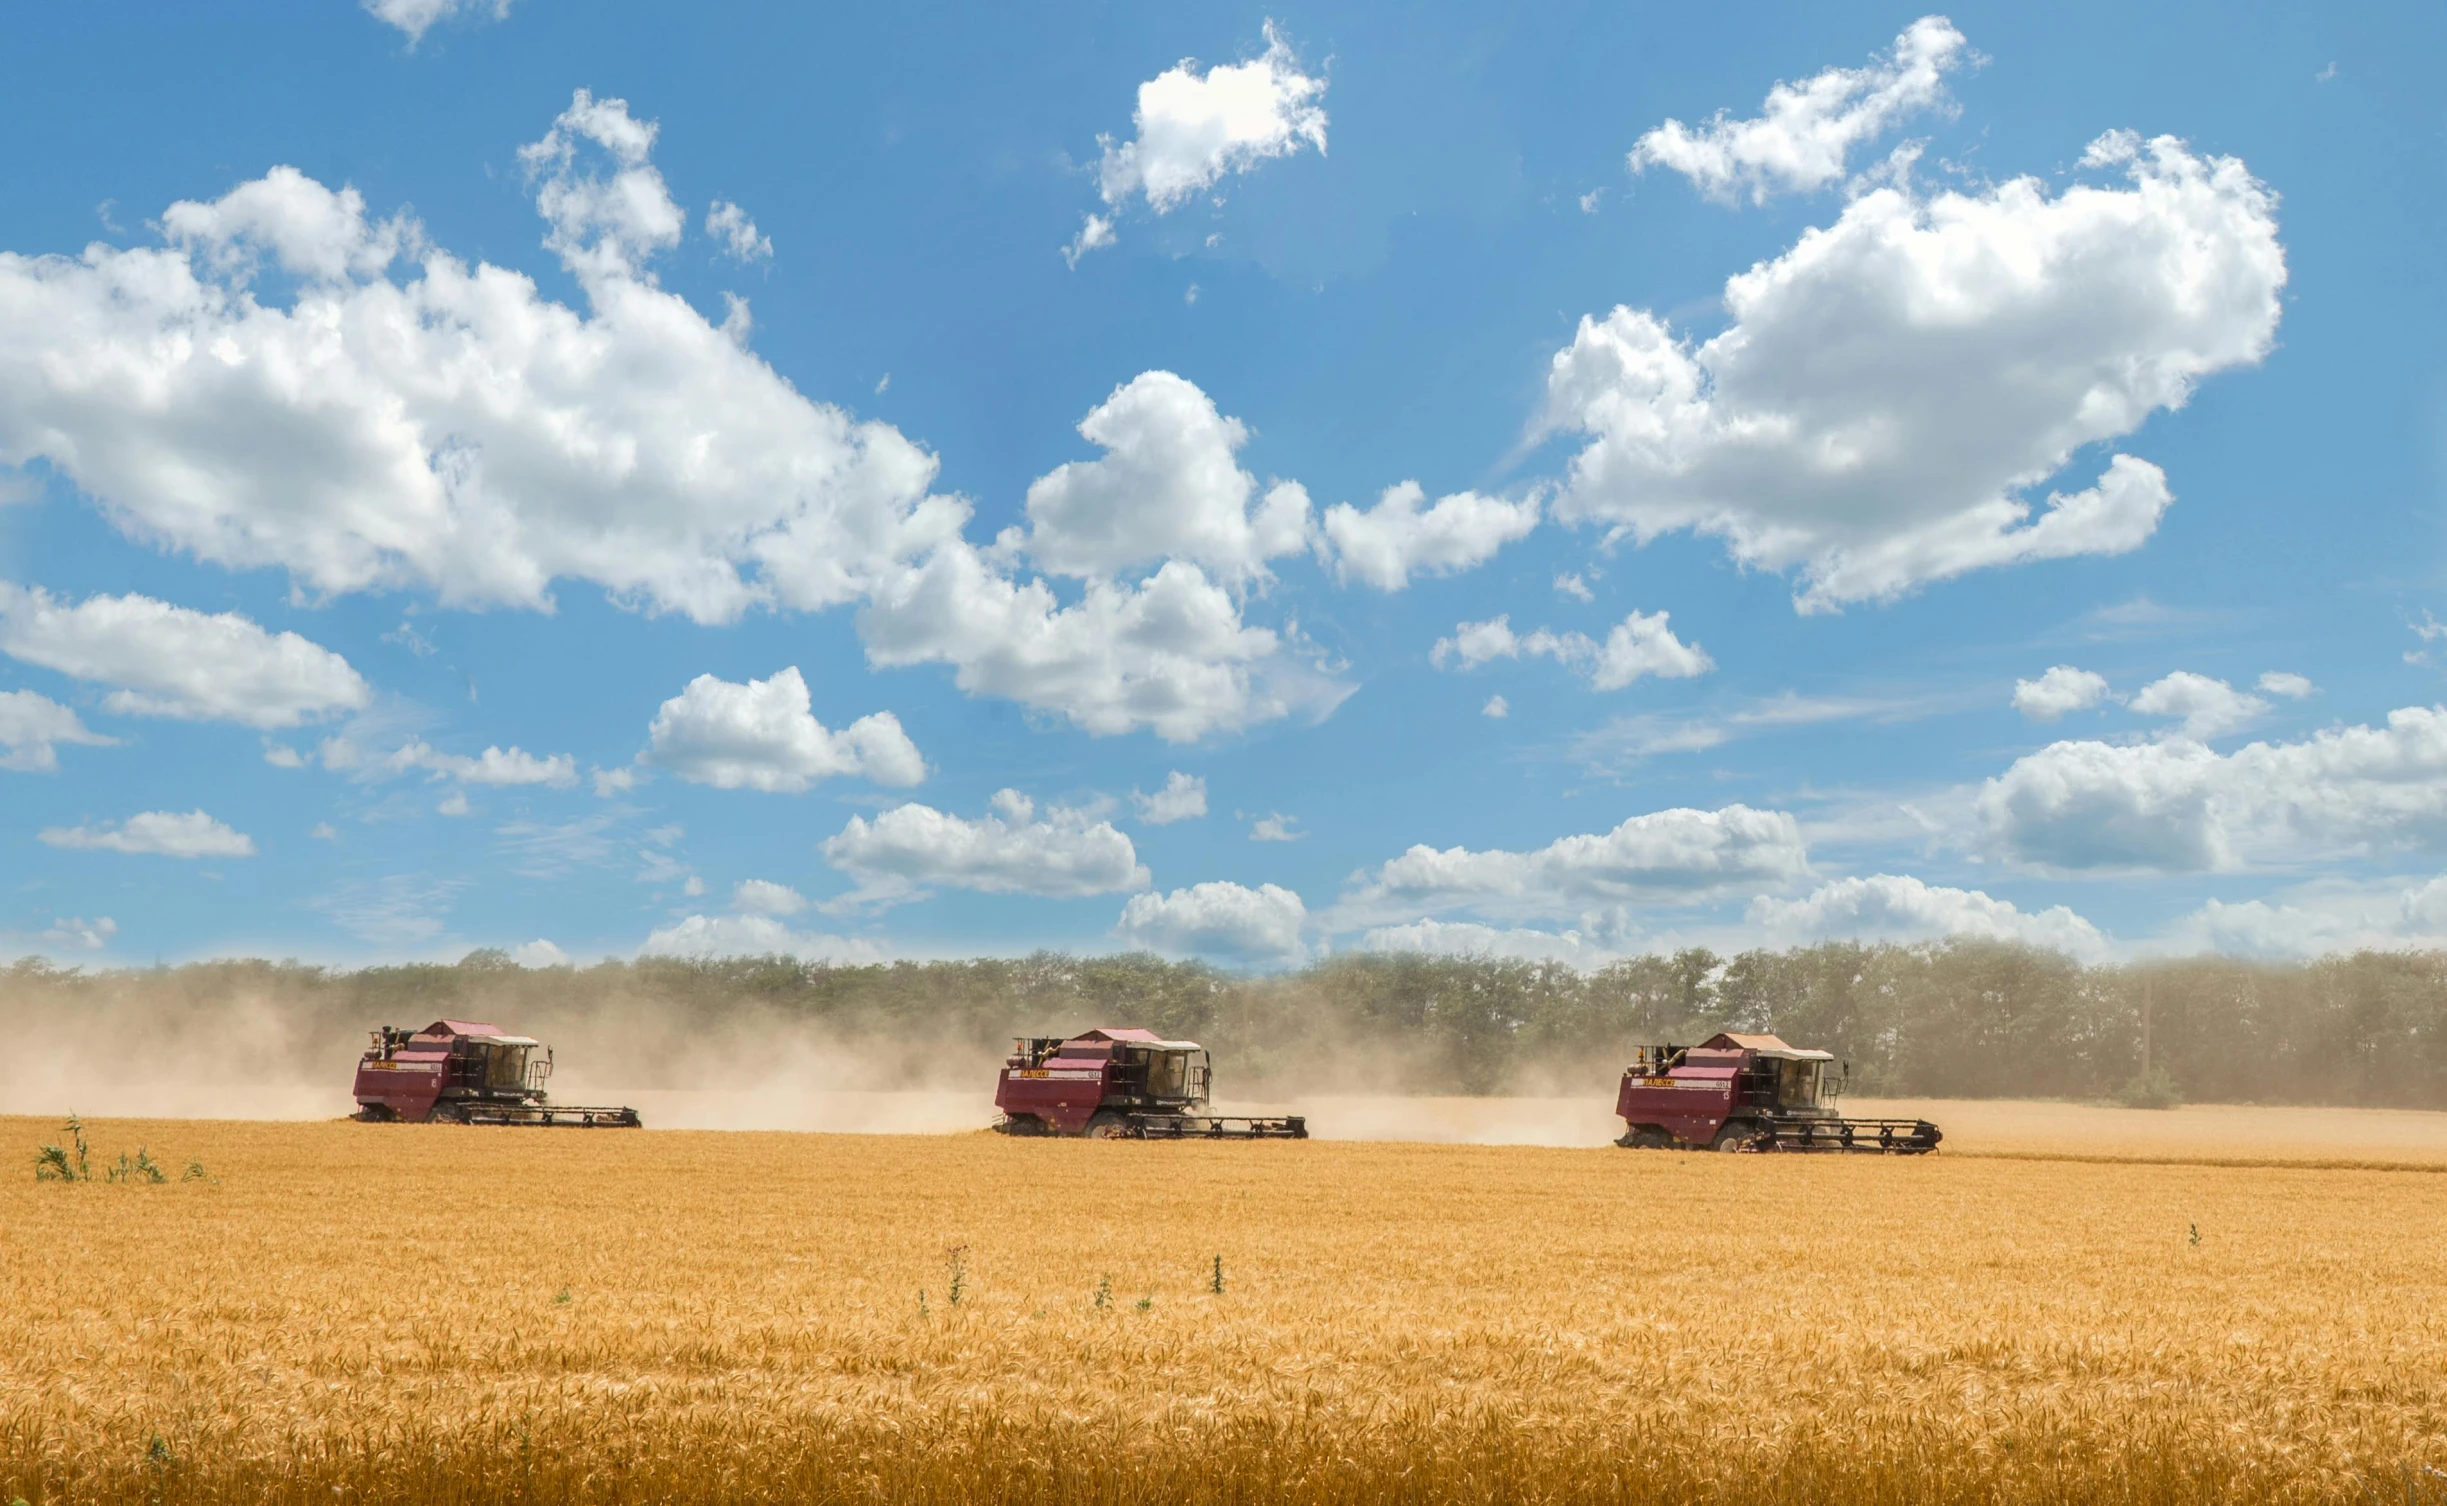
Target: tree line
{"type": "Point", "coordinates": [1955, 1019]}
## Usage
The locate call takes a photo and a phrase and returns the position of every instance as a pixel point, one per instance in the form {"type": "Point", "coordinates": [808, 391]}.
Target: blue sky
{"type": "Point", "coordinates": [1250, 483]}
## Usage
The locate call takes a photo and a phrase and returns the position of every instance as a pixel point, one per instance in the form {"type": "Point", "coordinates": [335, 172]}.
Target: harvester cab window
{"type": "Point", "coordinates": [1168, 1074]}
{"type": "Point", "coordinates": [505, 1068]}
{"type": "Point", "coordinates": [1797, 1085]}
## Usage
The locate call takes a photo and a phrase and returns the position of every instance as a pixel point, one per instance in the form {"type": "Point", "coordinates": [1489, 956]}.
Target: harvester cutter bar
{"type": "Point", "coordinates": [1873, 1137]}
{"type": "Point", "coordinates": [553, 1116]}
{"type": "Point", "coordinates": [1216, 1127]}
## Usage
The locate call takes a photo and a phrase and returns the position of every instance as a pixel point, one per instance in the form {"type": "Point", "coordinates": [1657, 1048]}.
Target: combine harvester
{"type": "Point", "coordinates": [1750, 1093]}
{"type": "Point", "coordinates": [1120, 1085]}
{"type": "Point", "coordinates": [466, 1072]}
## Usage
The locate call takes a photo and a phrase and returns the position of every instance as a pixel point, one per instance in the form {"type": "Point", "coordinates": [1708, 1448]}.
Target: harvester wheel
{"type": "Point", "coordinates": [376, 1113]}
{"type": "Point", "coordinates": [1737, 1134]}
{"type": "Point", "coordinates": [1107, 1127]}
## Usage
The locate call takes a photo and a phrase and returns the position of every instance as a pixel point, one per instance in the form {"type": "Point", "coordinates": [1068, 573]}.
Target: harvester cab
{"type": "Point", "coordinates": [466, 1072]}
{"type": "Point", "coordinates": [1120, 1084]}
{"type": "Point", "coordinates": [1750, 1092]}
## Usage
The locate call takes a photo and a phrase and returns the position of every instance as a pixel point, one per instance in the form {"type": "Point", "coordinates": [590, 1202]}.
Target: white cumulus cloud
{"type": "Point", "coordinates": [1674, 856]}
{"type": "Point", "coordinates": [538, 953]}
{"type": "Point", "coordinates": [171, 661]}
{"type": "Point", "coordinates": [32, 727]}
{"type": "Point", "coordinates": [1892, 389]}
{"type": "Point", "coordinates": [2208, 708]}
{"type": "Point", "coordinates": [1468, 938]}
{"type": "Point", "coordinates": [1802, 138]}
{"type": "Point", "coordinates": [1183, 798]}
{"type": "Point", "coordinates": [1223, 920]}
{"type": "Point", "coordinates": [2323, 917]}
{"type": "Point", "coordinates": [76, 933]}
{"type": "Point", "coordinates": [729, 224]}
{"type": "Point", "coordinates": [757, 936]}
{"type": "Point", "coordinates": [401, 418]}
{"type": "Point", "coordinates": [494, 766]}
{"type": "Point", "coordinates": [1065, 853]}
{"type": "Point", "coordinates": [1892, 907]}
{"type": "Point", "coordinates": [1166, 488]}
{"type": "Point", "coordinates": [416, 17]}
{"type": "Point", "coordinates": [2292, 686]}
{"type": "Point", "coordinates": [1395, 540]}
{"type": "Point", "coordinates": [2059, 692]}
{"type": "Point", "coordinates": [1194, 128]}
{"type": "Point", "coordinates": [1169, 654]}
{"type": "Point", "coordinates": [2178, 806]}
{"type": "Point", "coordinates": [763, 736]}
{"type": "Point", "coordinates": [164, 833]}
{"type": "Point", "coordinates": [765, 897]}
{"type": "Point", "coordinates": [1640, 645]}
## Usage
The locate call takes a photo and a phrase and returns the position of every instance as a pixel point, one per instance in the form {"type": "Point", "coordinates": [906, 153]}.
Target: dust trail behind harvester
{"type": "Point", "coordinates": [175, 1045]}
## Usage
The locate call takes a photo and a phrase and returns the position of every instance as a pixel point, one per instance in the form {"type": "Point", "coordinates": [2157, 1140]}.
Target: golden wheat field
{"type": "Point", "coordinates": [428, 1314]}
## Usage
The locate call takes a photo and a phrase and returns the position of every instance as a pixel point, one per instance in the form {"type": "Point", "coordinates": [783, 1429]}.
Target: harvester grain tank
{"type": "Point", "coordinates": [1120, 1085]}
{"type": "Point", "coordinates": [467, 1072]}
{"type": "Point", "coordinates": [1750, 1092]}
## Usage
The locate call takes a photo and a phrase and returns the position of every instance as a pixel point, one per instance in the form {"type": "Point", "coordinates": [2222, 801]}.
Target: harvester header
{"type": "Point", "coordinates": [466, 1072]}
{"type": "Point", "coordinates": [1120, 1084]}
{"type": "Point", "coordinates": [1750, 1092]}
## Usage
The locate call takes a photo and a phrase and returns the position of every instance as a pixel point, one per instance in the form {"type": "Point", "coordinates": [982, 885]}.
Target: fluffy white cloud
{"type": "Point", "coordinates": [1183, 798]}
{"type": "Point", "coordinates": [1671, 855]}
{"type": "Point", "coordinates": [2292, 686]}
{"type": "Point", "coordinates": [2178, 806]}
{"type": "Point", "coordinates": [1095, 233]}
{"type": "Point", "coordinates": [539, 953]}
{"type": "Point", "coordinates": [2209, 708]}
{"type": "Point", "coordinates": [1892, 388]}
{"type": "Point", "coordinates": [166, 833]}
{"type": "Point", "coordinates": [1194, 128]}
{"type": "Point", "coordinates": [2059, 692]}
{"type": "Point", "coordinates": [2320, 918]}
{"type": "Point", "coordinates": [494, 766]}
{"type": "Point", "coordinates": [1169, 653]}
{"type": "Point", "coordinates": [728, 223]}
{"type": "Point", "coordinates": [1465, 938]}
{"type": "Point", "coordinates": [757, 936]}
{"type": "Point", "coordinates": [765, 897]}
{"type": "Point", "coordinates": [1275, 827]}
{"type": "Point", "coordinates": [450, 428]}
{"type": "Point", "coordinates": [416, 17]}
{"type": "Point", "coordinates": [1010, 850]}
{"type": "Point", "coordinates": [1261, 925]}
{"type": "Point", "coordinates": [171, 661]}
{"type": "Point", "coordinates": [31, 728]}
{"type": "Point", "coordinates": [1497, 708]}
{"type": "Point", "coordinates": [1890, 907]}
{"type": "Point", "coordinates": [1166, 488]}
{"type": "Point", "coordinates": [1641, 644]}
{"type": "Point", "coordinates": [79, 934]}
{"type": "Point", "coordinates": [1801, 139]}
{"type": "Point", "coordinates": [1394, 540]}
{"type": "Point", "coordinates": [762, 736]}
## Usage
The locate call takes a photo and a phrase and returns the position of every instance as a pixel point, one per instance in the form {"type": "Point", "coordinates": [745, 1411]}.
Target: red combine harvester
{"type": "Point", "coordinates": [466, 1072]}
{"type": "Point", "coordinates": [1120, 1085]}
{"type": "Point", "coordinates": [1750, 1092]}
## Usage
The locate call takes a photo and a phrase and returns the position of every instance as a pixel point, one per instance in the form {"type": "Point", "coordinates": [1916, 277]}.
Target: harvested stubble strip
{"type": "Point", "coordinates": [1871, 1458]}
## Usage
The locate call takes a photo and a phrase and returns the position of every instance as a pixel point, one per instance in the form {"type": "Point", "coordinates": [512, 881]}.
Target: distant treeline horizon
{"type": "Point", "coordinates": [1952, 1019]}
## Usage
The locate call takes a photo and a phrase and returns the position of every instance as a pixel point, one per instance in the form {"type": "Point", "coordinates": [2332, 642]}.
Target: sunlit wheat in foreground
{"type": "Point", "coordinates": [358, 1312]}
